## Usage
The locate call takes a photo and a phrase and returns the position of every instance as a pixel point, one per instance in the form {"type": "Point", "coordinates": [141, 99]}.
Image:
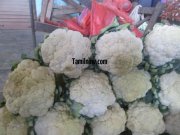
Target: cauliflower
{"type": "Point", "coordinates": [12, 125]}
{"type": "Point", "coordinates": [170, 91]}
{"type": "Point", "coordinates": [143, 119]}
{"type": "Point", "coordinates": [122, 50]}
{"type": "Point", "coordinates": [59, 49]}
{"type": "Point", "coordinates": [94, 92]}
{"type": "Point", "coordinates": [29, 89]}
{"type": "Point", "coordinates": [132, 86]}
{"type": "Point", "coordinates": [111, 123]}
{"type": "Point", "coordinates": [163, 44]}
{"type": "Point", "coordinates": [172, 122]}
{"type": "Point", "coordinates": [58, 121]}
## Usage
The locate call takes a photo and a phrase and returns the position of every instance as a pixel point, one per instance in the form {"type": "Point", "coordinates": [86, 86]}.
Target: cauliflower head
{"type": "Point", "coordinates": [94, 92]}
{"type": "Point", "coordinates": [131, 86]}
{"type": "Point", "coordinates": [111, 123]}
{"type": "Point", "coordinates": [143, 119]}
{"type": "Point", "coordinates": [163, 44]}
{"type": "Point", "coordinates": [172, 122]}
{"type": "Point", "coordinates": [59, 49]}
{"type": "Point", "coordinates": [59, 121]}
{"type": "Point", "coordinates": [170, 91]}
{"type": "Point", "coordinates": [29, 89]}
{"type": "Point", "coordinates": [12, 125]}
{"type": "Point", "coordinates": [122, 50]}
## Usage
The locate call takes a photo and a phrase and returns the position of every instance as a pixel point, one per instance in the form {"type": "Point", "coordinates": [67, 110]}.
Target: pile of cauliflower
{"type": "Point", "coordinates": [137, 92]}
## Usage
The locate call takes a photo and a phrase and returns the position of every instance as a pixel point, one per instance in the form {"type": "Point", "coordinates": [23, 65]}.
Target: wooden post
{"type": "Point", "coordinates": [142, 21]}
{"type": "Point", "coordinates": [44, 10]}
{"type": "Point", "coordinates": [49, 9]}
{"type": "Point", "coordinates": [156, 13]}
{"type": "Point", "coordinates": [32, 21]}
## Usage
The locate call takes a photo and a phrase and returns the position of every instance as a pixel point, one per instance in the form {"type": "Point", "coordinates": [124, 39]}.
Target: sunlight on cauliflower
{"type": "Point", "coordinates": [59, 49]}
{"type": "Point", "coordinates": [122, 50]}
{"type": "Point", "coordinates": [29, 89]}
{"type": "Point", "coordinates": [94, 92]}
{"type": "Point", "coordinates": [59, 121]}
{"type": "Point", "coordinates": [131, 86]}
{"type": "Point", "coordinates": [163, 44]}
{"type": "Point", "coordinates": [12, 125]}
{"type": "Point", "coordinates": [111, 123]}
{"type": "Point", "coordinates": [173, 124]}
{"type": "Point", "coordinates": [144, 119]}
{"type": "Point", "coordinates": [170, 91]}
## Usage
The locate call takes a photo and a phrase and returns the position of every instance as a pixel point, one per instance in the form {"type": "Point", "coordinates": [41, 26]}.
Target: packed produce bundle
{"type": "Point", "coordinates": [66, 90]}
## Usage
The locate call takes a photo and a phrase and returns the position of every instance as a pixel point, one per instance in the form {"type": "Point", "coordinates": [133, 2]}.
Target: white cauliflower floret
{"type": "Point", "coordinates": [29, 89]}
{"type": "Point", "coordinates": [59, 49]}
{"type": "Point", "coordinates": [94, 92]}
{"type": "Point", "coordinates": [131, 86]}
{"type": "Point", "coordinates": [172, 122]}
{"type": "Point", "coordinates": [170, 91]}
{"type": "Point", "coordinates": [12, 125]}
{"type": "Point", "coordinates": [163, 44]}
{"type": "Point", "coordinates": [144, 119]}
{"type": "Point", "coordinates": [122, 50]}
{"type": "Point", "coordinates": [58, 121]}
{"type": "Point", "coordinates": [111, 123]}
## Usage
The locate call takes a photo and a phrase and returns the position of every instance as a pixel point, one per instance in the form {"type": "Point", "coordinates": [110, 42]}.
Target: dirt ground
{"type": "Point", "coordinates": [12, 44]}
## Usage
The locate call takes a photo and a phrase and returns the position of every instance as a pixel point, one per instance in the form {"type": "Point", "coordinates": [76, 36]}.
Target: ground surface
{"type": "Point", "coordinates": [12, 44]}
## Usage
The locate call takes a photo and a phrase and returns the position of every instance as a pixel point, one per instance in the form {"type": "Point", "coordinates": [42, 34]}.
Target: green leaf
{"type": "Point", "coordinates": [123, 26]}
{"type": "Point", "coordinates": [94, 39]}
{"type": "Point", "coordinates": [149, 97]}
{"type": "Point", "coordinates": [114, 24]}
{"type": "Point", "coordinates": [2, 104]}
{"type": "Point", "coordinates": [154, 80]}
{"type": "Point", "coordinates": [24, 56]}
{"type": "Point", "coordinates": [147, 66]}
{"type": "Point", "coordinates": [156, 102]}
{"type": "Point", "coordinates": [165, 134]}
{"type": "Point", "coordinates": [46, 36]}
{"type": "Point", "coordinates": [162, 71]}
{"type": "Point", "coordinates": [76, 107]}
{"type": "Point", "coordinates": [31, 123]}
{"type": "Point", "coordinates": [14, 65]}
{"type": "Point", "coordinates": [154, 71]}
{"type": "Point", "coordinates": [87, 129]}
{"type": "Point", "coordinates": [103, 31]}
{"type": "Point", "coordinates": [37, 55]}
{"type": "Point", "coordinates": [57, 94]}
{"type": "Point", "coordinates": [163, 109]}
{"type": "Point", "coordinates": [177, 66]}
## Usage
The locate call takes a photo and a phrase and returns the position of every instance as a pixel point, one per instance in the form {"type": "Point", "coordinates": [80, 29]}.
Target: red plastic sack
{"type": "Point", "coordinates": [119, 7]}
{"type": "Point", "coordinates": [73, 25]}
{"type": "Point", "coordinates": [123, 5]}
{"type": "Point", "coordinates": [84, 18]}
{"type": "Point", "coordinates": [100, 18]}
{"type": "Point", "coordinates": [123, 16]}
{"type": "Point", "coordinates": [90, 23]}
{"type": "Point", "coordinates": [136, 32]}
